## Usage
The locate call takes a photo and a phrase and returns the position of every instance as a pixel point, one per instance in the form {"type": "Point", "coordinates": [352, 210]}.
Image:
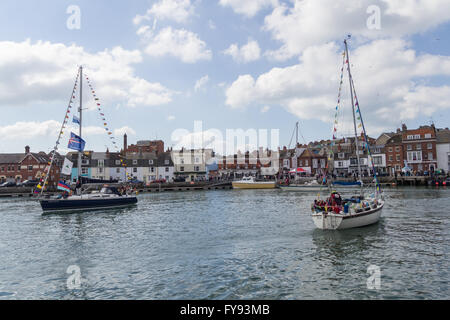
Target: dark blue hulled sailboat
{"type": "Point", "coordinates": [108, 197]}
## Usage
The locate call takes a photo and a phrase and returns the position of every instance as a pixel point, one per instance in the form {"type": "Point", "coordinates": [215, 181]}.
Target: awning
{"type": "Point", "coordinates": [300, 170]}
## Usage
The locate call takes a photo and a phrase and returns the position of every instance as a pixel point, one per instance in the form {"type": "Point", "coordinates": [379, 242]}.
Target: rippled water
{"type": "Point", "coordinates": [235, 244]}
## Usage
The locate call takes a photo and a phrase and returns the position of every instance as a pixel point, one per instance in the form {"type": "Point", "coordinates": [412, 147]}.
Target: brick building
{"type": "Point", "coordinates": [419, 148]}
{"type": "Point", "coordinates": [144, 146]}
{"type": "Point", "coordinates": [29, 165]}
{"type": "Point", "coordinates": [394, 154]}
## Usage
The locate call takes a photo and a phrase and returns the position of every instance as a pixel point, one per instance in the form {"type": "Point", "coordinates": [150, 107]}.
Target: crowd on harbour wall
{"type": "Point", "coordinates": [423, 151]}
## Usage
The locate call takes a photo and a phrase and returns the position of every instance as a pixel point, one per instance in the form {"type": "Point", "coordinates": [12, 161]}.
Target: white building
{"type": "Point", "coordinates": [443, 149]}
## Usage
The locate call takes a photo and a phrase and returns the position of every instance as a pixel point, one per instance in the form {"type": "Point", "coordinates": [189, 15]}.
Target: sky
{"type": "Point", "coordinates": [159, 66]}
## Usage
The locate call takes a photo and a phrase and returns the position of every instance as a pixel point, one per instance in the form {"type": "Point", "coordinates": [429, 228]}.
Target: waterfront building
{"type": "Point", "coordinates": [17, 167]}
{"type": "Point", "coordinates": [191, 163]}
{"type": "Point", "coordinates": [143, 146]}
{"type": "Point", "coordinates": [394, 154]}
{"type": "Point", "coordinates": [419, 147]}
{"type": "Point", "coordinates": [443, 149]}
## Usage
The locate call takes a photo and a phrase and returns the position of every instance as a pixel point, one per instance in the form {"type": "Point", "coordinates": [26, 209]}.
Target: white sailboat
{"type": "Point", "coordinates": [335, 212]}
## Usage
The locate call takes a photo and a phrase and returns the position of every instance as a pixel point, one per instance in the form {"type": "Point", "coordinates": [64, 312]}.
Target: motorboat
{"type": "Point", "coordinates": [251, 183]}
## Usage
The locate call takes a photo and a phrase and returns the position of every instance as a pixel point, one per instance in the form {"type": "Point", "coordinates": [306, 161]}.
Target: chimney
{"type": "Point", "coordinates": [398, 130]}
{"type": "Point", "coordinates": [125, 143]}
{"type": "Point", "coordinates": [404, 128]}
{"type": "Point", "coordinates": [27, 149]}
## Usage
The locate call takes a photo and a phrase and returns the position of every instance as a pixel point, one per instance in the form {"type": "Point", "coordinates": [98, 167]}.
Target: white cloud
{"type": "Point", "coordinates": [200, 83]}
{"type": "Point", "coordinates": [389, 78]}
{"type": "Point", "coordinates": [123, 130]}
{"type": "Point", "coordinates": [247, 53]}
{"type": "Point", "coordinates": [248, 8]}
{"type": "Point", "coordinates": [44, 72]}
{"type": "Point", "coordinates": [171, 118]}
{"type": "Point", "coordinates": [180, 43]}
{"type": "Point", "coordinates": [315, 22]}
{"type": "Point", "coordinates": [23, 130]}
{"type": "Point", "coordinates": [176, 10]}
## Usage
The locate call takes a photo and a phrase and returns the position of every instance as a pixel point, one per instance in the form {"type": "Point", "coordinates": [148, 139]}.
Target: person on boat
{"type": "Point", "coordinates": [78, 186]}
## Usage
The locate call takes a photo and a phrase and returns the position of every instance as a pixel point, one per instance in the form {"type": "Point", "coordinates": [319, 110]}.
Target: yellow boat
{"type": "Point", "coordinates": [250, 183]}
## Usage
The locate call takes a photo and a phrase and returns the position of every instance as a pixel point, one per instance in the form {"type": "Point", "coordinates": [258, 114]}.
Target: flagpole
{"type": "Point", "coordinates": [81, 118]}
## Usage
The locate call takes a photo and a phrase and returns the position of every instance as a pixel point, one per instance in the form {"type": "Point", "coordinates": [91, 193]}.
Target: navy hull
{"type": "Point", "coordinates": [86, 204]}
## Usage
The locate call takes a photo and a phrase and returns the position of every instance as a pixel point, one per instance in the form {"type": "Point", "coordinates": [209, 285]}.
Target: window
{"type": "Point", "coordinates": [84, 161]}
{"type": "Point", "coordinates": [301, 163]}
{"type": "Point", "coordinates": [286, 162]}
{"type": "Point", "coordinates": [397, 149]}
{"type": "Point", "coordinates": [410, 137]}
{"type": "Point", "coordinates": [134, 170]}
{"type": "Point", "coordinates": [167, 169]}
{"type": "Point", "coordinates": [118, 170]}
{"type": "Point", "coordinates": [30, 168]}
{"type": "Point", "coordinates": [84, 171]}
{"type": "Point", "coordinates": [427, 135]}
{"type": "Point", "coordinates": [430, 155]}
{"type": "Point", "coordinates": [167, 178]}
{"type": "Point", "coordinates": [340, 164]}
{"type": "Point", "coordinates": [322, 163]}
{"type": "Point", "coordinates": [101, 163]}
{"type": "Point", "coordinates": [341, 155]}
{"type": "Point", "coordinates": [166, 162]}
{"type": "Point", "coordinates": [418, 146]}
{"type": "Point", "coordinates": [196, 168]}
{"type": "Point", "coordinates": [100, 170]}
{"type": "Point", "coordinates": [391, 158]}
{"type": "Point", "coordinates": [397, 157]}
{"type": "Point", "coordinates": [135, 162]}
{"type": "Point", "coordinates": [429, 146]}
{"type": "Point", "coordinates": [415, 156]}
{"type": "Point", "coordinates": [409, 147]}
{"type": "Point", "coordinates": [315, 163]}
{"type": "Point", "coordinates": [377, 160]}
{"type": "Point", "coordinates": [306, 163]}
{"type": "Point", "coordinates": [197, 160]}
{"type": "Point", "coordinates": [390, 149]}
{"type": "Point", "coordinates": [417, 136]}
{"type": "Point", "coordinates": [150, 161]}
{"type": "Point", "coordinates": [182, 161]}
{"type": "Point", "coordinates": [181, 169]}
{"type": "Point", "coordinates": [152, 169]}
{"type": "Point", "coordinates": [117, 162]}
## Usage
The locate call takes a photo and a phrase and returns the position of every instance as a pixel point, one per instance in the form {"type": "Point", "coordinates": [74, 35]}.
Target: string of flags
{"type": "Point", "coordinates": [43, 181]}
{"type": "Point", "coordinates": [330, 156]}
{"type": "Point", "coordinates": [105, 124]}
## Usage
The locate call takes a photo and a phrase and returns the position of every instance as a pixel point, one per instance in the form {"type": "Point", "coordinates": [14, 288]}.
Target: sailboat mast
{"type": "Point", "coordinates": [81, 119]}
{"type": "Point", "coordinates": [354, 117]}
{"type": "Point", "coordinates": [296, 134]}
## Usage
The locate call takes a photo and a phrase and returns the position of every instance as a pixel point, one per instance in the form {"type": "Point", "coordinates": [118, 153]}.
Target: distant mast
{"type": "Point", "coordinates": [81, 119]}
{"type": "Point", "coordinates": [354, 118]}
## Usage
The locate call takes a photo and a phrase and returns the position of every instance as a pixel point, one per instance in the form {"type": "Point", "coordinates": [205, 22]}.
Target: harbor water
{"type": "Point", "coordinates": [226, 244]}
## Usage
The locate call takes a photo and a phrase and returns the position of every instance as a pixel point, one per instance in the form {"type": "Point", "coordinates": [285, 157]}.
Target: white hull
{"type": "Point", "coordinates": [333, 221]}
{"type": "Point", "coordinates": [302, 187]}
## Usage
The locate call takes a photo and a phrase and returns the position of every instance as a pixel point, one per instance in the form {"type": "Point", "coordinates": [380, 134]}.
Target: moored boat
{"type": "Point", "coordinates": [358, 211]}
{"type": "Point", "coordinates": [251, 183]}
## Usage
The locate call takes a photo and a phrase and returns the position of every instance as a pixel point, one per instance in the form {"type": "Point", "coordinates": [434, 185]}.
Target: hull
{"type": "Point", "coordinates": [86, 204]}
{"type": "Point", "coordinates": [253, 185]}
{"type": "Point", "coordinates": [332, 221]}
{"type": "Point", "coordinates": [302, 187]}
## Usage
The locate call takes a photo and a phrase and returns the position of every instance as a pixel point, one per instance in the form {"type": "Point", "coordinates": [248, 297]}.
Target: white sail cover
{"type": "Point", "coordinates": [67, 167]}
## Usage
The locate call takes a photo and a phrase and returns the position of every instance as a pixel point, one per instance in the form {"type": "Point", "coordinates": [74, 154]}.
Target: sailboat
{"type": "Point", "coordinates": [359, 210]}
{"type": "Point", "coordinates": [108, 197]}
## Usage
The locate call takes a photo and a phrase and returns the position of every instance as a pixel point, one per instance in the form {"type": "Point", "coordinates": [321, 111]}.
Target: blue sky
{"type": "Point", "coordinates": [288, 74]}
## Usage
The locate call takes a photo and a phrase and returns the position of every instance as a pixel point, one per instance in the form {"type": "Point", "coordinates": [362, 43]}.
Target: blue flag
{"type": "Point", "coordinates": [76, 143]}
{"type": "Point", "coordinates": [75, 119]}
